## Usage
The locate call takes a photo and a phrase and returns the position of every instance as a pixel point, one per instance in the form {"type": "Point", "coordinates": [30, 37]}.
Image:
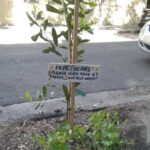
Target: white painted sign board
{"type": "Point", "coordinates": [61, 72]}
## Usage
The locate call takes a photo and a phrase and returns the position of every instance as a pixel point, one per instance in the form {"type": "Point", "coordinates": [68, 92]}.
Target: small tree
{"type": "Point", "coordinates": [47, 32]}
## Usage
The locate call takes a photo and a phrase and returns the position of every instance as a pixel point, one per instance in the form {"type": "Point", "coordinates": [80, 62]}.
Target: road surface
{"type": "Point", "coordinates": [23, 67]}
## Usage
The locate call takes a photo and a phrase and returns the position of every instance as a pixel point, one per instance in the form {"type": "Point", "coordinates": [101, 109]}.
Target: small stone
{"type": "Point", "coordinates": [95, 105]}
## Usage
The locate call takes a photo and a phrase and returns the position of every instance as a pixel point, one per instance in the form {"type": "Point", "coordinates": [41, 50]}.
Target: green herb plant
{"type": "Point", "coordinates": [47, 31]}
{"type": "Point", "coordinates": [41, 96]}
{"type": "Point", "coordinates": [103, 133]}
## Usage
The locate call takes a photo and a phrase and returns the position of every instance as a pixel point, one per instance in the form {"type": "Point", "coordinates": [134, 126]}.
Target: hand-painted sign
{"type": "Point", "coordinates": [73, 72]}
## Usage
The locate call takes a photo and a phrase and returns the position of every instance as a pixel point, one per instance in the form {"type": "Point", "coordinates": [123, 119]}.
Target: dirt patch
{"type": "Point", "coordinates": [19, 135]}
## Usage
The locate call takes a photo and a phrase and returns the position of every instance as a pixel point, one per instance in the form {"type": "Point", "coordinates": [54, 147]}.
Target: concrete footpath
{"type": "Point", "coordinates": [19, 34]}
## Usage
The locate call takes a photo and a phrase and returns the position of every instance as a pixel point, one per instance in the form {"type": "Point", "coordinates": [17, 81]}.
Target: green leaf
{"type": "Point", "coordinates": [92, 4]}
{"type": "Point", "coordinates": [39, 96]}
{"type": "Point", "coordinates": [57, 1]}
{"type": "Point", "coordinates": [90, 30]}
{"type": "Point", "coordinates": [35, 37]}
{"type": "Point", "coordinates": [31, 19]}
{"type": "Point", "coordinates": [37, 105]}
{"type": "Point", "coordinates": [80, 52]}
{"type": "Point", "coordinates": [31, 24]}
{"type": "Point", "coordinates": [70, 1]}
{"type": "Point", "coordinates": [54, 35]}
{"type": "Point", "coordinates": [64, 47]}
{"type": "Point", "coordinates": [28, 96]}
{"type": "Point", "coordinates": [40, 139]}
{"type": "Point", "coordinates": [65, 34]}
{"type": "Point", "coordinates": [39, 15]}
{"type": "Point", "coordinates": [87, 11]}
{"type": "Point", "coordinates": [69, 21]}
{"type": "Point", "coordinates": [46, 24]}
{"type": "Point", "coordinates": [44, 91]}
{"type": "Point", "coordinates": [82, 14]}
{"type": "Point", "coordinates": [82, 22]}
{"type": "Point", "coordinates": [83, 41]}
{"type": "Point", "coordinates": [57, 53]}
{"type": "Point", "coordinates": [85, 27]}
{"type": "Point", "coordinates": [53, 9]}
{"type": "Point", "coordinates": [49, 49]}
{"type": "Point", "coordinates": [53, 50]}
{"type": "Point", "coordinates": [65, 59]}
{"type": "Point", "coordinates": [66, 92]}
{"type": "Point", "coordinates": [80, 60]}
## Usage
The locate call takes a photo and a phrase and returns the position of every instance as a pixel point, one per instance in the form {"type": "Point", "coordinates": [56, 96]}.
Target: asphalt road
{"type": "Point", "coordinates": [23, 67]}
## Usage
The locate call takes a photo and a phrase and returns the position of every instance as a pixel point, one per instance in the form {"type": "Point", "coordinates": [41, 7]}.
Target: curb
{"type": "Point", "coordinates": [57, 107]}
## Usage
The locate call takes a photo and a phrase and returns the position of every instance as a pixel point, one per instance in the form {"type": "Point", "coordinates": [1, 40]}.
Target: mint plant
{"type": "Point", "coordinates": [103, 133]}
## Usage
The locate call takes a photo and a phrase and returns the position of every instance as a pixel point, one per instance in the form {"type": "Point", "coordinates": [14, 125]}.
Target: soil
{"type": "Point", "coordinates": [19, 135]}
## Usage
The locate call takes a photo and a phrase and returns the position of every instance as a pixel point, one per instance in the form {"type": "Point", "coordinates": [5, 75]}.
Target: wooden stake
{"type": "Point", "coordinates": [74, 59]}
{"type": "Point", "coordinates": [69, 85]}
